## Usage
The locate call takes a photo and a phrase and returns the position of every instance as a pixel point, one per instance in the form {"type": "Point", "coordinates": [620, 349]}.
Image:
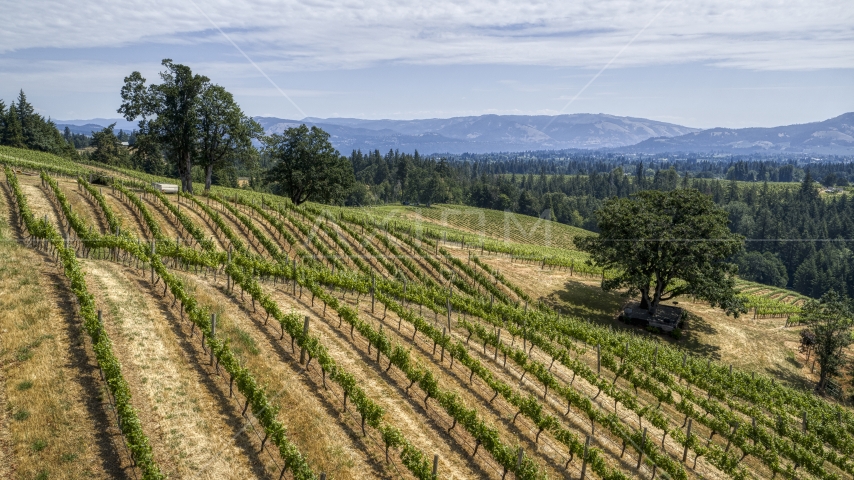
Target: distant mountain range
{"type": "Point", "coordinates": [86, 127]}
{"type": "Point", "coordinates": [485, 133]}
{"type": "Point", "coordinates": [515, 133]}
{"type": "Point", "coordinates": [833, 136]}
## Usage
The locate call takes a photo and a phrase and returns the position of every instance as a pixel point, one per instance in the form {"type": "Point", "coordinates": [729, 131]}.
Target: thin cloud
{"type": "Point", "coordinates": [760, 35]}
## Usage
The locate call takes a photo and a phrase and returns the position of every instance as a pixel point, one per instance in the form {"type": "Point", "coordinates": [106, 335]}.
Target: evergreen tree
{"type": "Point", "coordinates": [26, 114]}
{"type": "Point", "coordinates": [108, 148]}
{"type": "Point", "coordinates": [2, 119]}
{"type": "Point", "coordinates": [13, 134]}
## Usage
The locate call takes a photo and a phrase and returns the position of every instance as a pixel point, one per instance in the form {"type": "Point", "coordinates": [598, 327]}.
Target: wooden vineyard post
{"type": "Point", "coordinates": [497, 344]}
{"type": "Point", "coordinates": [304, 334]}
{"type": "Point", "coordinates": [525, 335]}
{"type": "Point", "coordinates": [519, 457]}
{"type": "Point", "coordinates": [213, 334]}
{"type": "Point", "coordinates": [153, 251]}
{"type": "Point", "coordinates": [449, 314]}
{"type": "Point", "coordinates": [640, 450]}
{"type": "Point", "coordinates": [435, 473]}
{"type": "Point", "coordinates": [584, 458]}
{"type": "Point", "coordinates": [373, 288]}
{"type": "Point", "coordinates": [100, 318]}
{"type": "Point", "coordinates": [753, 432]}
{"type": "Point", "coordinates": [687, 441]}
{"type": "Point", "coordinates": [598, 359]}
{"type": "Point", "coordinates": [228, 277]}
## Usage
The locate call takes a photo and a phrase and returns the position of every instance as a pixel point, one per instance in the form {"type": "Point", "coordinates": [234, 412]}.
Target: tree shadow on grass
{"type": "Point", "coordinates": [790, 378]}
{"type": "Point", "coordinates": [694, 328]}
{"type": "Point", "coordinates": [590, 302]}
{"type": "Point", "coordinates": [586, 301]}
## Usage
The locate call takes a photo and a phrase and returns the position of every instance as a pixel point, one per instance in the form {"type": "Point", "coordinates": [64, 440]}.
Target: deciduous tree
{"type": "Point", "coordinates": [169, 113]}
{"type": "Point", "coordinates": [664, 244]}
{"type": "Point", "coordinates": [225, 132]}
{"type": "Point", "coordinates": [830, 320]}
{"type": "Point", "coordinates": [307, 166]}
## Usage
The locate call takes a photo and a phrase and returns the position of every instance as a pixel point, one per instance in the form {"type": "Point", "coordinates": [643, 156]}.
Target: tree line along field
{"type": "Point", "coordinates": [236, 335]}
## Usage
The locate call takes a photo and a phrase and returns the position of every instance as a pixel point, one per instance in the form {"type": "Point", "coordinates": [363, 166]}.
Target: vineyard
{"type": "Point", "coordinates": [771, 302]}
{"type": "Point", "coordinates": [237, 335]}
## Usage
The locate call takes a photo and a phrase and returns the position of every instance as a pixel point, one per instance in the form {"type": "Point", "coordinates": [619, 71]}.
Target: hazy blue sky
{"type": "Point", "coordinates": [700, 63]}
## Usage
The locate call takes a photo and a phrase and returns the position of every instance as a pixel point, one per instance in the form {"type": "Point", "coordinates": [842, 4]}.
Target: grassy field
{"type": "Point", "coordinates": [335, 350]}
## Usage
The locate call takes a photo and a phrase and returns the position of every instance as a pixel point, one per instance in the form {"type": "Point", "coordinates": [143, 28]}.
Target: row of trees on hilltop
{"type": "Point", "coordinates": [191, 122]}
{"type": "Point", "coordinates": [22, 127]}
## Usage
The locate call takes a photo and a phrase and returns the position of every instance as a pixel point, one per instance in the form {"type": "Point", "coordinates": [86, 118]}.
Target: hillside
{"type": "Point", "coordinates": [832, 136]}
{"type": "Point", "coordinates": [242, 336]}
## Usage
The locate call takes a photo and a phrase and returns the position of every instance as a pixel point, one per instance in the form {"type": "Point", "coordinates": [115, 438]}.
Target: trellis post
{"type": "Point", "coordinates": [584, 458]}
{"type": "Point", "coordinates": [213, 334]}
{"type": "Point", "coordinates": [153, 252]}
{"type": "Point", "coordinates": [640, 450]}
{"type": "Point", "coordinates": [304, 334]}
{"type": "Point", "coordinates": [687, 441]}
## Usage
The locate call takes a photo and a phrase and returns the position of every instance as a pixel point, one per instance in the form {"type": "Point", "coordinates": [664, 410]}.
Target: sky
{"type": "Point", "coordinates": [698, 63]}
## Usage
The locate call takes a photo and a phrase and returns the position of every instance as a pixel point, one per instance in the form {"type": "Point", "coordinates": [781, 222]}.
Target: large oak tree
{"type": "Point", "coordinates": [307, 167]}
{"type": "Point", "coordinates": [169, 113]}
{"type": "Point", "coordinates": [664, 244]}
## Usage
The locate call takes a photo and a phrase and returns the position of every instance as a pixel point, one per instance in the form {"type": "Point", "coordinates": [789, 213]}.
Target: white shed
{"type": "Point", "coordinates": [165, 187]}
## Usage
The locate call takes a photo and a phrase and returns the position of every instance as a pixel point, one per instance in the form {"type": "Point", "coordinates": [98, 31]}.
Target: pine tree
{"type": "Point", "coordinates": [13, 134]}
{"type": "Point", "coordinates": [29, 126]}
{"type": "Point", "coordinates": [2, 119]}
